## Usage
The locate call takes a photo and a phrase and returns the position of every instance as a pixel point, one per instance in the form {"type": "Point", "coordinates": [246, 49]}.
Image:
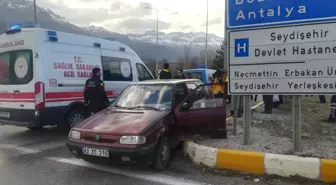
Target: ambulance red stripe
{"type": "Point", "coordinates": [50, 97]}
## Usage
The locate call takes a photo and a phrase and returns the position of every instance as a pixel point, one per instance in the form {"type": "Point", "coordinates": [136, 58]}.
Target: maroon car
{"type": "Point", "coordinates": [147, 121]}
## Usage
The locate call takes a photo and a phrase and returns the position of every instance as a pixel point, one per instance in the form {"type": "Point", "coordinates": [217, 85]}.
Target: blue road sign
{"type": "Point", "coordinates": [242, 47]}
{"type": "Point", "coordinates": [262, 13]}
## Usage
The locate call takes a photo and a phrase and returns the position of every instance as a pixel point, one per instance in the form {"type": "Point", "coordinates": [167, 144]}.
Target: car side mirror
{"type": "Point", "coordinates": [185, 106]}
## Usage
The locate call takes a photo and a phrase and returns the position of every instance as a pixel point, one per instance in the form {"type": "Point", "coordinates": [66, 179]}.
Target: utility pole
{"type": "Point", "coordinates": [35, 14]}
{"type": "Point", "coordinates": [157, 35]}
{"type": "Point", "coordinates": [157, 38]}
{"type": "Point", "coordinates": [206, 35]}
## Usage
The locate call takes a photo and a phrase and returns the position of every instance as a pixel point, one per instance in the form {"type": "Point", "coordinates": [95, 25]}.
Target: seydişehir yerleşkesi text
{"type": "Point", "coordinates": [280, 10]}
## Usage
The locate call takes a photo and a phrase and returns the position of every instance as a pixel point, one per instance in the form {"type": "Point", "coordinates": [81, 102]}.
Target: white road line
{"type": "Point", "coordinates": [49, 145]}
{"type": "Point", "coordinates": [22, 150]}
{"type": "Point", "coordinates": [34, 149]}
{"type": "Point", "coordinates": [153, 177]}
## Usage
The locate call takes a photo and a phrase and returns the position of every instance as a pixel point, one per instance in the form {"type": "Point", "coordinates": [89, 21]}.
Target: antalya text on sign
{"type": "Point", "coordinates": [247, 13]}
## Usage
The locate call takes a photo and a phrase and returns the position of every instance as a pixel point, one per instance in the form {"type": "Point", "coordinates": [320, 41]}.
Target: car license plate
{"type": "Point", "coordinates": [95, 152]}
{"type": "Point", "coordinates": [5, 114]}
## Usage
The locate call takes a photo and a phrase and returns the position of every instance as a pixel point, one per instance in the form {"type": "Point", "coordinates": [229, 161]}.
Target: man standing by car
{"type": "Point", "coordinates": [94, 93]}
{"type": "Point", "coordinates": [218, 79]}
{"type": "Point", "coordinates": [165, 73]}
{"type": "Point", "coordinates": [180, 74]}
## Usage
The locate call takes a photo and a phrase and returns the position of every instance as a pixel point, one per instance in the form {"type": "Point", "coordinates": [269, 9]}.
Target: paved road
{"type": "Point", "coordinates": [35, 158]}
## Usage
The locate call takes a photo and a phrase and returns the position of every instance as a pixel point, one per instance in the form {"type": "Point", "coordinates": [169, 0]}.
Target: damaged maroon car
{"type": "Point", "coordinates": [147, 121]}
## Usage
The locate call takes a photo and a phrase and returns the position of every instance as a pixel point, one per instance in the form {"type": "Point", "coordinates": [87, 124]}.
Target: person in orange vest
{"type": "Point", "coordinates": [218, 79]}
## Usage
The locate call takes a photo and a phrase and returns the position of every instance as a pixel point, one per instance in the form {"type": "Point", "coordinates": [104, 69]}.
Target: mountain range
{"type": "Point", "coordinates": [171, 45]}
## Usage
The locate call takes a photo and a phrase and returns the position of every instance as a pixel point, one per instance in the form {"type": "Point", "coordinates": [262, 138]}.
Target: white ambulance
{"type": "Point", "coordinates": [43, 72]}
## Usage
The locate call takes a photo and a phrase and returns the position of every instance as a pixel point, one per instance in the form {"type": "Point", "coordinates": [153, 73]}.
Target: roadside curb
{"type": "Point", "coordinates": [261, 163]}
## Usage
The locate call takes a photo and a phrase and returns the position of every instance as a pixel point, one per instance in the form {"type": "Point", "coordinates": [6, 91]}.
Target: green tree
{"type": "Point", "coordinates": [220, 55]}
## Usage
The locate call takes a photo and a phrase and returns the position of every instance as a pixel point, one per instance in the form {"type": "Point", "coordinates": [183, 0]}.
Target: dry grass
{"type": "Point", "coordinates": [272, 133]}
{"type": "Point", "coordinates": [311, 109]}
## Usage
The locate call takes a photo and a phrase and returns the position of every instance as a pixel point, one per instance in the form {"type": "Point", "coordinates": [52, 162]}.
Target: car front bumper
{"type": "Point", "coordinates": [141, 156]}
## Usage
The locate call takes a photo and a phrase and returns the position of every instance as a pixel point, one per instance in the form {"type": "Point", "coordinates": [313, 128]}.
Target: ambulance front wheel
{"type": "Point", "coordinates": [74, 117]}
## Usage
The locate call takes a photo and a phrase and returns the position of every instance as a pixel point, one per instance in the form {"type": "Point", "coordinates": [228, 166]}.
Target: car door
{"type": "Point", "coordinates": [202, 113]}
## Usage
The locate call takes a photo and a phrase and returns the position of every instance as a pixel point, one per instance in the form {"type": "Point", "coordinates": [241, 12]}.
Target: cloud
{"type": "Point", "coordinates": [76, 15]}
{"type": "Point", "coordinates": [184, 27]}
{"type": "Point", "coordinates": [123, 10]}
{"type": "Point", "coordinates": [175, 13]}
{"type": "Point", "coordinates": [134, 25]}
{"type": "Point", "coordinates": [116, 5]}
{"type": "Point", "coordinates": [217, 20]}
{"type": "Point", "coordinates": [86, 16]}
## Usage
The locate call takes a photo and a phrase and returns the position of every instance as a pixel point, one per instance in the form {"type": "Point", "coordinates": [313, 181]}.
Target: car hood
{"type": "Point", "coordinates": [119, 121]}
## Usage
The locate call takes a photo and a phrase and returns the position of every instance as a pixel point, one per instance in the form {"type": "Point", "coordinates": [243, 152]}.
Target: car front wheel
{"type": "Point", "coordinates": [163, 154]}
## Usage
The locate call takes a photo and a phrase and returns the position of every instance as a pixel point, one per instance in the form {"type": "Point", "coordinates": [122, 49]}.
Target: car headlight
{"type": "Point", "coordinates": [132, 140]}
{"type": "Point", "coordinates": [73, 134]}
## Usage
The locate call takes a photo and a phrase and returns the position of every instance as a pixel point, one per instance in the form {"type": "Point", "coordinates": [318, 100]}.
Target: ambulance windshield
{"type": "Point", "coordinates": [16, 67]}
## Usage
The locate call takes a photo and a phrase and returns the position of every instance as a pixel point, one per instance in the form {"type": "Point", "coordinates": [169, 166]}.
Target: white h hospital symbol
{"type": "Point", "coordinates": [239, 47]}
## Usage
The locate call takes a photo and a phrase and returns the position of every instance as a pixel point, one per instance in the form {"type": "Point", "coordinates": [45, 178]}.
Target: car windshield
{"type": "Point", "coordinates": [157, 97]}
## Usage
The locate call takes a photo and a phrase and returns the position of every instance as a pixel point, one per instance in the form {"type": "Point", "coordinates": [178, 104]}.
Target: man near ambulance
{"type": "Point", "coordinates": [165, 73]}
{"type": "Point", "coordinates": [94, 93]}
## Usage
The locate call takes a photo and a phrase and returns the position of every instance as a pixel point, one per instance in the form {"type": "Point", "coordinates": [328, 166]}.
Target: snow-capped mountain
{"type": "Point", "coordinates": [178, 38]}
{"type": "Point", "coordinates": [174, 38]}
{"type": "Point", "coordinates": [171, 45]}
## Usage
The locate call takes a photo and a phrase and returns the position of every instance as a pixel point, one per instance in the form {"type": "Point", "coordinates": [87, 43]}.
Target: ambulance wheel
{"type": "Point", "coordinates": [74, 117]}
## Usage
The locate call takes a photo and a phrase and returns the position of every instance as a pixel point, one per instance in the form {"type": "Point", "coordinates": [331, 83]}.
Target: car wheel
{"type": "Point", "coordinates": [73, 118]}
{"type": "Point", "coordinates": [163, 154]}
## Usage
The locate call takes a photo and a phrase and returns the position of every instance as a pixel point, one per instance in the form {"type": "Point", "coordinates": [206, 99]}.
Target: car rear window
{"type": "Point", "coordinates": [16, 67]}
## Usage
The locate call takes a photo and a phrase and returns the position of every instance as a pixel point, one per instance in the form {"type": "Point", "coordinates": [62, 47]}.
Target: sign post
{"type": "Point", "coordinates": [235, 115]}
{"type": "Point", "coordinates": [296, 120]}
{"type": "Point", "coordinates": [247, 120]}
{"type": "Point", "coordinates": [281, 47]}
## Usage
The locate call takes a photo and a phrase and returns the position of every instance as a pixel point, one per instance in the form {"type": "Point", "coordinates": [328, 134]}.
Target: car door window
{"type": "Point", "coordinates": [143, 73]}
{"type": "Point", "coordinates": [181, 93]}
{"type": "Point", "coordinates": [191, 86]}
{"type": "Point", "coordinates": [203, 98]}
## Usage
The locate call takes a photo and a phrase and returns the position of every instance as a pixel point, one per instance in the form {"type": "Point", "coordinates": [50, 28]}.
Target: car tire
{"type": "Point", "coordinates": [74, 117]}
{"type": "Point", "coordinates": [163, 154]}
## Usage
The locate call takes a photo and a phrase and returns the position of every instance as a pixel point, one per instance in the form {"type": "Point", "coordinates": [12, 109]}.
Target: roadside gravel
{"type": "Point", "coordinates": [273, 133]}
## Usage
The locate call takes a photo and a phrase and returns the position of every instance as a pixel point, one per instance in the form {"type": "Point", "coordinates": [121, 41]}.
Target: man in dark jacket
{"type": "Point", "coordinates": [180, 74]}
{"type": "Point", "coordinates": [165, 73]}
{"type": "Point", "coordinates": [94, 93]}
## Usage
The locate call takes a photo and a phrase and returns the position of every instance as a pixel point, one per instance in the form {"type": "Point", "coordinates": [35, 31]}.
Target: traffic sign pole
{"type": "Point", "coordinates": [296, 120]}
{"type": "Point", "coordinates": [236, 103]}
{"type": "Point", "coordinates": [247, 120]}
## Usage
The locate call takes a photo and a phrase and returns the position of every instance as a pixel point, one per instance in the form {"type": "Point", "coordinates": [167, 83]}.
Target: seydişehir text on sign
{"type": "Point", "coordinates": [247, 13]}
{"type": "Point", "coordinates": [291, 87]}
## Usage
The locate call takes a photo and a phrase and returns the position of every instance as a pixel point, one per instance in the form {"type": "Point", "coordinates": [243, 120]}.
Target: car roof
{"type": "Point", "coordinates": [167, 81]}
